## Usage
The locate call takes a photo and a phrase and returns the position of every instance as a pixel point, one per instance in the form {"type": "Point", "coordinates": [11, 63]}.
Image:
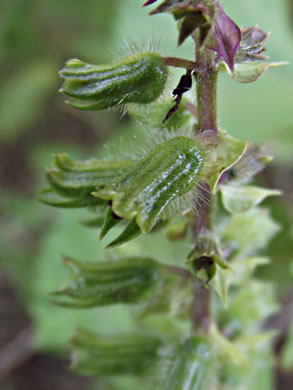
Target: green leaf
{"type": "Point", "coordinates": [96, 355]}
{"type": "Point", "coordinates": [227, 350]}
{"type": "Point", "coordinates": [223, 152]}
{"type": "Point", "coordinates": [131, 232]}
{"type": "Point", "coordinates": [220, 284]}
{"type": "Point", "coordinates": [259, 302]}
{"type": "Point", "coordinates": [169, 171]}
{"type": "Point", "coordinates": [237, 198]}
{"type": "Point", "coordinates": [243, 269]}
{"type": "Point", "coordinates": [189, 365]}
{"type": "Point", "coordinates": [239, 272]}
{"type": "Point", "coordinates": [253, 161]}
{"type": "Point", "coordinates": [98, 284]}
{"type": "Point", "coordinates": [246, 233]}
{"type": "Point", "coordinates": [247, 72]}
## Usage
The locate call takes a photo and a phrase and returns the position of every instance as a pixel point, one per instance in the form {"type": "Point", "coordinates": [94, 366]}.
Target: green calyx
{"type": "Point", "coordinates": [105, 283]}
{"type": "Point", "coordinates": [169, 171]}
{"type": "Point", "coordinates": [77, 179]}
{"type": "Point", "coordinates": [132, 354]}
{"type": "Point", "coordinates": [189, 365]}
{"type": "Point", "coordinates": [137, 79]}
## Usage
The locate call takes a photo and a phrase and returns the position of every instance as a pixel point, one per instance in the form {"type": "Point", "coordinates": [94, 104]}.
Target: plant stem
{"type": "Point", "coordinates": [206, 92]}
{"type": "Point", "coordinates": [180, 63]}
{"type": "Point", "coordinates": [200, 316]}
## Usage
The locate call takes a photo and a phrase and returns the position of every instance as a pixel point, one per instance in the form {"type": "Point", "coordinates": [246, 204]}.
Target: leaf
{"type": "Point", "coordinates": [253, 161]}
{"type": "Point", "coordinates": [259, 302]}
{"type": "Point", "coordinates": [224, 152]}
{"type": "Point", "coordinates": [238, 273]}
{"type": "Point", "coordinates": [247, 72]}
{"type": "Point", "coordinates": [243, 269]}
{"type": "Point", "coordinates": [131, 232]}
{"type": "Point", "coordinates": [237, 199]}
{"type": "Point", "coordinates": [169, 171]}
{"type": "Point", "coordinates": [248, 232]}
{"type": "Point", "coordinates": [226, 349]}
{"type": "Point", "coordinates": [221, 283]}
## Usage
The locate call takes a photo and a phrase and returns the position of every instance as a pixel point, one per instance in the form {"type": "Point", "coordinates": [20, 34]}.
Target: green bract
{"type": "Point", "coordinates": [169, 171]}
{"type": "Point", "coordinates": [137, 79]}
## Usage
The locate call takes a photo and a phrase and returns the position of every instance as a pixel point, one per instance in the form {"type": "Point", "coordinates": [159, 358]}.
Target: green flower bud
{"type": "Point", "coordinates": [168, 172]}
{"type": "Point", "coordinates": [189, 365]}
{"type": "Point", "coordinates": [76, 179]}
{"type": "Point", "coordinates": [137, 79]}
{"type": "Point", "coordinates": [114, 355]}
{"type": "Point", "coordinates": [99, 284]}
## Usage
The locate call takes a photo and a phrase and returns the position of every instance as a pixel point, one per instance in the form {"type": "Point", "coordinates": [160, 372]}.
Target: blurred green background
{"type": "Point", "coordinates": [36, 37]}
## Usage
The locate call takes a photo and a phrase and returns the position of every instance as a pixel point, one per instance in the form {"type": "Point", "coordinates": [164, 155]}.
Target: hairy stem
{"type": "Point", "coordinates": [180, 63]}
{"type": "Point", "coordinates": [206, 93]}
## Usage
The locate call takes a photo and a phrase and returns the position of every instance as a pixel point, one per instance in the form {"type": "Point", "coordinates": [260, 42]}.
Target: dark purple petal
{"type": "Point", "coordinates": [225, 38]}
{"type": "Point", "coordinates": [149, 2]}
